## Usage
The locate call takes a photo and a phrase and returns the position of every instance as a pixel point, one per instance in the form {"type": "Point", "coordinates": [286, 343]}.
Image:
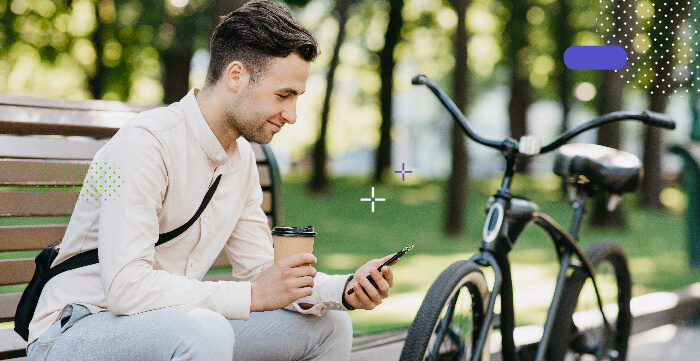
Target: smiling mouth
{"type": "Point", "coordinates": [277, 127]}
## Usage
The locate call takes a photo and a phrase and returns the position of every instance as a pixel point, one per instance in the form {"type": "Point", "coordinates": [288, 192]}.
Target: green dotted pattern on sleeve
{"type": "Point", "coordinates": [101, 181]}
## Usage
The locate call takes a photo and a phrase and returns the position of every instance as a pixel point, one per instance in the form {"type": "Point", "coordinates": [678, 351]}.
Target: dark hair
{"type": "Point", "coordinates": [253, 34]}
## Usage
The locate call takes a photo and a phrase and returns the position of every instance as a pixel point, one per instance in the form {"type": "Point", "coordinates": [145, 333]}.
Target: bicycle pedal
{"type": "Point", "coordinates": [496, 321]}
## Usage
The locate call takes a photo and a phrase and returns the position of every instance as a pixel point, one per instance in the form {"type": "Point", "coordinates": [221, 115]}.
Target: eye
{"type": "Point", "coordinates": [283, 96]}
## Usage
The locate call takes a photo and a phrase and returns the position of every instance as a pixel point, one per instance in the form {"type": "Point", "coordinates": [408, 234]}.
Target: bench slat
{"type": "Point", "coordinates": [37, 204]}
{"type": "Point", "coordinates": [267, 202]}
{"type": "Point", "coordinates": [11, 345]}
{"type": "Point", "coordinates": [259, 153]}
{"type": "Point", "coordinates": [25, 238]}
{"type": "Point", "coordinates": [29, 172]}
{"type": "Point", "coordinates": [8, 305]}
{"type": "Point", "coordinates": [26, 171]}
{"type": "Point", "coordinates": [265, 176]}
{"type": "Point", "coordinates": [49, 148]}
{"type": "Point", "coordinates": [58, 104]}
{"type": "Point", "coordinates": [21, 120]}
{"type": "Point", "coordinates": [16, 271]}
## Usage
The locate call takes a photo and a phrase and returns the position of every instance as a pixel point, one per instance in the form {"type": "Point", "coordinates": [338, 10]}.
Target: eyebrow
{"type": "Point", "coordinates": [290, 91]}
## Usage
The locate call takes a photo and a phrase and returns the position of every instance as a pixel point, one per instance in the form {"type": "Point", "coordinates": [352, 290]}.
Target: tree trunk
{"type": "Point", "coordinates": [562, 33]}
{"type": "Point", "coordinates": [96, 80]}
{"type": "Point", "coordinates": [610, 100]}
{"type": "Point", "coordinates": [221, 8]}
{"type": "Point", "coordinates": [653, 183]}
{"type": "Point", "coordinates": [520, 89]}
{"type": "Point", "coordinates": [386, 69]}
{"type": "Point", "coordinates": [319, 179]}
{"type": "Point", "coordinates": [176, 73]}
{"type": "Point", "coordinates": [456, 199]}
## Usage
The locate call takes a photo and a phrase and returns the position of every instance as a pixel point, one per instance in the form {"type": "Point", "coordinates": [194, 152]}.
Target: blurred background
{"type": "Point", "coordinates": [361, 120]}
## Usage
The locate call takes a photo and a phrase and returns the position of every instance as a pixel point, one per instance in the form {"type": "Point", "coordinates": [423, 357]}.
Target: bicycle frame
{"type": "Point", "coordinates": [507, 217]}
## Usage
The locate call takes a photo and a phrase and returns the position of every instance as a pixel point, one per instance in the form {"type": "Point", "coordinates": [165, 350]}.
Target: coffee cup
{"type": "Point", "coordinates": [292, 240]}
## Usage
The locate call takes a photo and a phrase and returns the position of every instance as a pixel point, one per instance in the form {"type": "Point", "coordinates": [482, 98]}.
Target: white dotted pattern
{"type": "Point", "coordinates": [677, 50]}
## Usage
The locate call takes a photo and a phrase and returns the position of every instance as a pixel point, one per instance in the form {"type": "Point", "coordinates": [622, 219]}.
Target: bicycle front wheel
{"type": "Point", "coordinates": [448, 322]}
{"type": "Point", "coordinates": [578, 330]}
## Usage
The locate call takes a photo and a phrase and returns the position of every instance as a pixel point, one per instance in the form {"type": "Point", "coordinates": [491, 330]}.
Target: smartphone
{"type": "Point", "coordinates": [391, 260]}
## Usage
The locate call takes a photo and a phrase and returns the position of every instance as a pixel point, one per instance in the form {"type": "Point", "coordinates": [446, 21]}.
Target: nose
{"type": "Point", "coordinates": [289, 113]}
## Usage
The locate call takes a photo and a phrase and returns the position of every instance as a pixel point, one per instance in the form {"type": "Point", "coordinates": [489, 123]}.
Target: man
{"type": "Point", "coordinates": [148, 303]}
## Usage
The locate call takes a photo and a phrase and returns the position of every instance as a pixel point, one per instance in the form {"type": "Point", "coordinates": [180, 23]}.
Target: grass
{"type": "Point", "coordinates": [350, 235]}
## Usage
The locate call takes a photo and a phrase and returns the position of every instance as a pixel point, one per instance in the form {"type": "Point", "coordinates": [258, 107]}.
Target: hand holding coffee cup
{"type": "Point", "coordinates": [283, 283]}
{"type": "Point", "coordinates": [290, 277]}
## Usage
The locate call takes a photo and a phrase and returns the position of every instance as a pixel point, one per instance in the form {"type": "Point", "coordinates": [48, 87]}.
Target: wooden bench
{"type": "Point", "coordinates": [40, 138]}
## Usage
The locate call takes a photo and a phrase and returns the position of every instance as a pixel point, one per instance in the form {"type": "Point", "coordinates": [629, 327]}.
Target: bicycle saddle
{"type": "Point", "coordinates": [612, 169]}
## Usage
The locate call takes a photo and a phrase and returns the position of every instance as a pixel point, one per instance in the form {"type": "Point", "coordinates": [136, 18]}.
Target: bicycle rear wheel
{"type": "Point", "coordinates": [448, 322]}
{"type": "Point", "coordinates": [578, 331]}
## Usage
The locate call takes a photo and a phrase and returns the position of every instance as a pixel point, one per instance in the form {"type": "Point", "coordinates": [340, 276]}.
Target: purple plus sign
{"type": "Point", "coordinates": [403, 172]}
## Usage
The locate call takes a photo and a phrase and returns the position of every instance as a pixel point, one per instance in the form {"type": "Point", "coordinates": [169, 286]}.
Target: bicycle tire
{"type": "Point", "coordinates": [572, 338]}
{"type": "Point", "coordinates": [459, 337]}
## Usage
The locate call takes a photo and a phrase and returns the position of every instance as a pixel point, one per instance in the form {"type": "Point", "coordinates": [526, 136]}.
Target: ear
{"type": "Point", "coordinates": [236, 76]}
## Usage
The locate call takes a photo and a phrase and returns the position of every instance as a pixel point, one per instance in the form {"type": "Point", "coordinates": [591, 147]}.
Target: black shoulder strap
{"type": "Point", "coordinates": [165, 237]}
{"type": "Point", "coordinates": [90, 257]}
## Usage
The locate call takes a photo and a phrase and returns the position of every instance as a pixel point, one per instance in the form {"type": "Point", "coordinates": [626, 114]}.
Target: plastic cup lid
{"type": "Point", "coordinates": [294, 231]}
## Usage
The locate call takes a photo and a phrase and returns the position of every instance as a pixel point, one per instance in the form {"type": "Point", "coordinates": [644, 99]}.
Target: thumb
{"type": "Point", "coordinates": [386, 258]}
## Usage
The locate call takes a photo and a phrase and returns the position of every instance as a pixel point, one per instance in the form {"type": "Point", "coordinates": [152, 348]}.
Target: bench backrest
{"type": "Point", "coordinates": [46, 147]}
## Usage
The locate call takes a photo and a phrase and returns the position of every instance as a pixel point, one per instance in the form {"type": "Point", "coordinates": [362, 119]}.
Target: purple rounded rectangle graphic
{"type": "Point", "coordinates": [595, 57]}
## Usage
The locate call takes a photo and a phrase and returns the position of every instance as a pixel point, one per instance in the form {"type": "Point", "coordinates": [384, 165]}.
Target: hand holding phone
{"type": "Point", "coordinates": [387, 263]}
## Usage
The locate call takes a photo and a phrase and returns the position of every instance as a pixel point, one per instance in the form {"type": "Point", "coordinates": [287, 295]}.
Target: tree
{"type": "Point", "coordinates": [186, 24]}
{"type": "Point", "coordinates": [458, 181]}
{"type": "Point", "coordinates": [104, 9]}
{"type": "Point", "coordinates": [563, 35]}
{"type": "Point", "coordinates": [610, 100]}
{"type": "Point", "coordinates": [386, 70]}
{"type": "Point", "coordinates": [665, 63]}
{"type": "Point", "coordinates": [517, 53]}
{"type": "Point", "coordinates": [319, 178]}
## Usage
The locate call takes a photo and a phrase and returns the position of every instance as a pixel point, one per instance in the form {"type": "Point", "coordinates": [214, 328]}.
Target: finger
{"type": "Point", "coordinates": [301, 282]}
{"type": "Point", "coordinates": [370, 290]}
{"type": "Point", "coordinates": [382, 284]}
{"type": "Point", "coordinates": [299, 259]}
{"type": "Point", "coordinates": [305, 292]}
{"type": "Point", "coordinates": [388, 257]}
{"type": "Point", "coordinates": [303, 271]}
{"type": "Point", "coordinates": [361, 296]}
{"type": "Point", "coordinates": [352, 299]}
{"type": "Point", "coordinates": [380, 261]}
{"type": "Point", "coordinates": [388, 276]}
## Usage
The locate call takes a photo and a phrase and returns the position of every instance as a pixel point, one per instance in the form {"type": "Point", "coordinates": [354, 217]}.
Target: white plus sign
{"type": "Point", "coordinates": [372, 199]}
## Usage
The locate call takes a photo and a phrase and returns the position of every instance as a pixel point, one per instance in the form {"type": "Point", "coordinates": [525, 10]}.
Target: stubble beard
{"type": "Point", "coordinates": [242, 118]}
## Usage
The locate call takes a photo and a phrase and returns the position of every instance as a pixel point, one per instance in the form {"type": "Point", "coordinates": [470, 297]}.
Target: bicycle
{"type": "Point", "coordinates": [457, 316]}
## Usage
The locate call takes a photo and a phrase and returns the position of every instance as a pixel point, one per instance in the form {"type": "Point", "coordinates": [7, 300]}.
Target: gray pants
{"type": "Point", "coordinates": [181, 333]}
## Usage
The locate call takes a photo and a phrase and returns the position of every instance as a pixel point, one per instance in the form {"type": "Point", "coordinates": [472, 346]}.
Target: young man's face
{"type": "Point", "coordinates": [263, 107]}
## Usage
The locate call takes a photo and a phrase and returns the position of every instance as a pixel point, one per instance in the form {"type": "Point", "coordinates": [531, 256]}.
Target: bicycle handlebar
{"type": "Point", "coordinates": [647, 117]}
{"type": "Point", "coordinates": [456, 113]}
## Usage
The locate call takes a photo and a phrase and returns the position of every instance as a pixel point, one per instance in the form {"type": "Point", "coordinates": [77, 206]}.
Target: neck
{"type": "Point", "coordinates": [213, 109]}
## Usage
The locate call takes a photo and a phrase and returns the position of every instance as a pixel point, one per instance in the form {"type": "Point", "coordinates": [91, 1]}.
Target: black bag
{"type": "Point", "coordinates": [44, 272]}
